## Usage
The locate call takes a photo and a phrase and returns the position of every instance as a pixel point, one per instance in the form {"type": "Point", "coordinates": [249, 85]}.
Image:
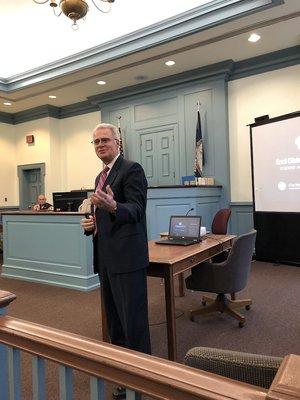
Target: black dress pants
{"type": "Point", "coordinates": [126, 306]}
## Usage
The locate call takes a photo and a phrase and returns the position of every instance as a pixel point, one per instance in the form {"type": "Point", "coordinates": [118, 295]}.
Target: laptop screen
{"type": "Point", "coordinates": [185, 227]}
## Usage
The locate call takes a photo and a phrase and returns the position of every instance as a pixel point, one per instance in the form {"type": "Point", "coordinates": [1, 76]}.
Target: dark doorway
{"type": "Point", "coordinates": [31, 183]}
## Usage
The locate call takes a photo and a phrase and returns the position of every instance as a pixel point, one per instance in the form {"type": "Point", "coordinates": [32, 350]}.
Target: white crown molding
{"type": "Point", "coordinates": [198, 19]}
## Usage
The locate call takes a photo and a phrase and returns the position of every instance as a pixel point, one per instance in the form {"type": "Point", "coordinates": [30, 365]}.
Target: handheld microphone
{"type": "Point", "coordinates": [92, 213]}
{"type": "Point", "coordinates": [191, 209]}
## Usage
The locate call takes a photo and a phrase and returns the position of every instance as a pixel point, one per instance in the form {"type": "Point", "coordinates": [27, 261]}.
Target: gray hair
{"type": "Point", "coordinates": [113, 128]}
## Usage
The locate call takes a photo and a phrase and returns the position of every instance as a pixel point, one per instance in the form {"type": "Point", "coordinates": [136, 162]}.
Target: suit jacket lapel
{"type": "Point", "coordinates": [114, 172]}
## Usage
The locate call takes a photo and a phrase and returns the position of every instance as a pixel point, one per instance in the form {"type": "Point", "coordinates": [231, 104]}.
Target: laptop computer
{"type": "Point", "coordinates": [183, 230]}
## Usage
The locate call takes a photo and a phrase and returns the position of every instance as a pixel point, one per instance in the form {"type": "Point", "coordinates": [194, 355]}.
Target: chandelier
{"type": "Point", "coordinates": [75, 9]}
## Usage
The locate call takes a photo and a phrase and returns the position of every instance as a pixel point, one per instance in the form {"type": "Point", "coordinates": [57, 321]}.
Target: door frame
{"type": "Point", "coordinates": [21, 176]}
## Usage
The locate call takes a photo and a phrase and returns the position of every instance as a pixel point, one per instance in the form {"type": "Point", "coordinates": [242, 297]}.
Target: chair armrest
{"type": "Point", "coordinates": [255, 369]}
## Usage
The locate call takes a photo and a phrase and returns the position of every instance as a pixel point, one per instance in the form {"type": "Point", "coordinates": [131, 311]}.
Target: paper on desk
{"type": "Point", "coordinates": [203, 231]}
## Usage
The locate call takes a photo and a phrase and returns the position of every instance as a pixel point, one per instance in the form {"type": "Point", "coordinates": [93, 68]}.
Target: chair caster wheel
{"type": "Point", "coordinates": [203, 302]}
{"type": "Point", "coordinates": [192, 318]}
{"type": "Point", "coordinates": [247, 308]}
{"type": "Point", "coordinates": [241, 324]}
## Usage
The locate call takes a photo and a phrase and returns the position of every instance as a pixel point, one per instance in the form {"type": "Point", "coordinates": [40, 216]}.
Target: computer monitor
{"type": "Point", "coordinates": [69, 201]}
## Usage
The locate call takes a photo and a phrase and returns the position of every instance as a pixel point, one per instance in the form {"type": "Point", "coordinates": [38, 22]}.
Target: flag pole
{"type": "Point", "coordinates": [121, 141]}
{"type": "Point", "coordinates": [119, 122]}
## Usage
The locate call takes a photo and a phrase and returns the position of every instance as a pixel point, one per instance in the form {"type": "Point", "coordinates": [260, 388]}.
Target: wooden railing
{"type": "Point", "coordinates": [155, 377]}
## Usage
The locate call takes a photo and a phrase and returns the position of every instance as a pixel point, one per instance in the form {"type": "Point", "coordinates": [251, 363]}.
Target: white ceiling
{"type": "Point", "coordinates": [44, 38]}
{"type": "Point", "coordinates": [41, 38]}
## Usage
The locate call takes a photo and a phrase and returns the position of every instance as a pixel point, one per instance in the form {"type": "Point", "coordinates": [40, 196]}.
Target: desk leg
{"type": "Point", "coordinates": [170, 314]}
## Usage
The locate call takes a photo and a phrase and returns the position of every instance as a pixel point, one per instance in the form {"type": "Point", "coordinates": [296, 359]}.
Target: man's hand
{"type": "Point", "coordinates": [104, 200]}
{"type": "Point", "coordinates": [88, 224]}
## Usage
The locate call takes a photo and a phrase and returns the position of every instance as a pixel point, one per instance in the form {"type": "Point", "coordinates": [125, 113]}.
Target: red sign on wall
{"type": "Point", "coordinates": [29, 139]}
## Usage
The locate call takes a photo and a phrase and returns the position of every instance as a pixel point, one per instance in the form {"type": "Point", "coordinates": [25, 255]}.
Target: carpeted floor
{"type": "Point", "coordinates": [272, 326]}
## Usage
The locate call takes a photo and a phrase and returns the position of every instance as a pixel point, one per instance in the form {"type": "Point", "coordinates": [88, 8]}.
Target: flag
{"type": "Point", "coordinates": [199, 156]}
{"type": "Point", "coordinates": [121, 142]}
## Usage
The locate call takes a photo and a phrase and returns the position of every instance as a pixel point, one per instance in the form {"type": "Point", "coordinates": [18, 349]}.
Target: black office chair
{"type": "Point", "coordinates": [255, 369]}
{"type": "Point", "coordinates": [229, 276]}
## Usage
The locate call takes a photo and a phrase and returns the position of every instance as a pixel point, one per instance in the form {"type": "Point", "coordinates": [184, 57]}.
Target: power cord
{"type": "Point", "coordinates": [213, 238]}
{"type": "Point", "coordinates": [164, 322]}
{"type": "Point", "coordinates": [217, 240]}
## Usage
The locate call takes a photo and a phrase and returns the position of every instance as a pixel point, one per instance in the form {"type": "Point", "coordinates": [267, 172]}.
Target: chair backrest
{"type": "Point", "coordinates": [237, 265]}
{"type": "Point", "coordinates": [220, 221]}
{"type": "Point", "coordinates": [256, 369]}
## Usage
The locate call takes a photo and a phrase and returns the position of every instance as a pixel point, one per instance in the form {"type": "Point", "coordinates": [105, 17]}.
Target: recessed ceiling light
{"type": "Point", "coordinates": [170, 63]}
{"type": "Point", "coordinates": [52, 96]}
{"type": "Point", "coordinates": [140, 77]}
{"type": "Point", "coordinates": [7, 103]}
{"type": "Point", "coordinates": [254, 37]}
{"type": "Point", "coordinates": [101, 83]}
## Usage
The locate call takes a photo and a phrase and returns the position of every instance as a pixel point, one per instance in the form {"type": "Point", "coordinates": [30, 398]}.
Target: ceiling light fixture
{"type": "Point", "coordinates": [75, 9]}
{"type": "Point", "coordinates": [170, 63]}
{"type": "Point", "coordinates": [7, 103]}
{"type": "Point", "coordinates": [101, 83]}
{"type": "Point", "coordinates": [254, 37]}
{"type": "Point", "coordinates": [141, 78]}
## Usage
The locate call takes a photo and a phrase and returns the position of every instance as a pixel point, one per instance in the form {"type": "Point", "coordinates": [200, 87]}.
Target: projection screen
{"type": "Point", "coordinates": [276, 166]}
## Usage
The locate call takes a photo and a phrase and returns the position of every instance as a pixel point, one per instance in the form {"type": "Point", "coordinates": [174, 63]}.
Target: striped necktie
{"type": "Point", "coordinates": [99, 187]}
{"type": "Point", "coordinates": [102, 179]}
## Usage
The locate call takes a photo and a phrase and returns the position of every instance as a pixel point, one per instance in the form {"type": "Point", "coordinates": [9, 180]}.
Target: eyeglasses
{"type": "Point", "coordinates": [102, 141]}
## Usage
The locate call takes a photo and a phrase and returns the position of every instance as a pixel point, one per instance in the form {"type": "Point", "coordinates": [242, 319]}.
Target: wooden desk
{"type": "Point", "coordinates": [168, 261]}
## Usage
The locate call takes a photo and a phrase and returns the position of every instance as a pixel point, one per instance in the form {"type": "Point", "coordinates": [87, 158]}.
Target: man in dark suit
{"type": "Point", "coordinates": [120, 241]}
{"type": "Point", "coordinates": [42, 204]}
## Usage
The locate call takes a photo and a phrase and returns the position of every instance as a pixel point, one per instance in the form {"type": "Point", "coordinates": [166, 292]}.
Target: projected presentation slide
{"type": "Point", "coordinates": [276, 166]}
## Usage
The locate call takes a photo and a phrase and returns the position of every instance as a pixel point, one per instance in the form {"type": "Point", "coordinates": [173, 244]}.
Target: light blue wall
{"type": "Point", "coordinates": [241, 220]}
{"type": "Point", "coordinates": [164, 202]}
{"type": "Point", "coordinates": [176, 107]}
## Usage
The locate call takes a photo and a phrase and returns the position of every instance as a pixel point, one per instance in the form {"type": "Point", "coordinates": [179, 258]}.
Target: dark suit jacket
{"type": "Point", "coordinates": [45, 206]}
{"type": "Point", "coordinates": [121, 242]}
